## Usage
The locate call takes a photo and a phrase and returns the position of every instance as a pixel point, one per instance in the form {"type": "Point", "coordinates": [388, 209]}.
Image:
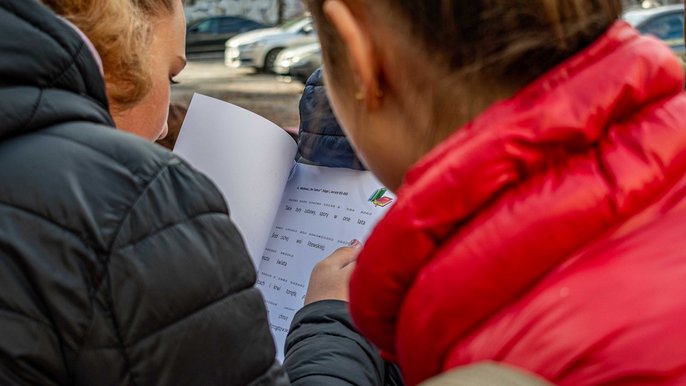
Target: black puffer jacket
{"type": "Point", "coordinates": [324, 349]}
{"type": "Point", "coordinates": [119, 264]}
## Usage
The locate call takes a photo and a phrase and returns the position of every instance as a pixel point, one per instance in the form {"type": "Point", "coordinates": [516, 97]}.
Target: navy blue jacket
{"type": "Point", "coordinates": [321, 140]}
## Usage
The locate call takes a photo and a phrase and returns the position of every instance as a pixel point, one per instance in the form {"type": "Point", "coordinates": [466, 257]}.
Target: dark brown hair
{"type": "Point", "coordinates": [510, 40]}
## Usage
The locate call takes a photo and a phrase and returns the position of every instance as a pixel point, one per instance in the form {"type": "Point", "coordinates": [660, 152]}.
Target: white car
{"type": "Point", "coordinates": [260, 48]}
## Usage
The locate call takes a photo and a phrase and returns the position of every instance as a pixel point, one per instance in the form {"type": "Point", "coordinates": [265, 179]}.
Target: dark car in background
{"type": "Point", "coordinates": [210, 34]}
{"type": "Point", "coordinates": [664, 22]}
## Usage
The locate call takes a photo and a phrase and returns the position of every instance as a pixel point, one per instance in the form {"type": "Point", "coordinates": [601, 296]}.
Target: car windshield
{"type": "Point", "coordinates": [637, 16]}
{"type": "Point", "coordinates": [295, 25]}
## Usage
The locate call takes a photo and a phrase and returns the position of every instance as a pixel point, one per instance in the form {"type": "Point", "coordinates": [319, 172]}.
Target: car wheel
{"type": "Point", "coordinates": [270, 59]}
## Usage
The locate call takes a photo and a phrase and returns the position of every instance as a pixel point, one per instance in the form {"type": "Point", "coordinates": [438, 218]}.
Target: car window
{"type": "Point", "coordinates": [290, 23]}
{"type": "Point", "coordinates": [249, 24]}
{"type": "Point", "coordinates": [668, 27]}
{"type": "Point", "coordinates": [207, 26]}
{"type": "Point", "coordinates": [296, 25]}
{"type": "Point", "coordinates": [229, 25]}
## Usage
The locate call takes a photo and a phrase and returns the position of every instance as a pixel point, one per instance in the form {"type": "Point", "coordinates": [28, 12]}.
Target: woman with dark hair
{"type": "Point", "coordinates": [538, 151]}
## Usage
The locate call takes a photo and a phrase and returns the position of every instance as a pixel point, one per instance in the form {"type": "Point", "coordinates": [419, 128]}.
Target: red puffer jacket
{"type": "Point", "coordinates": [549, 233]}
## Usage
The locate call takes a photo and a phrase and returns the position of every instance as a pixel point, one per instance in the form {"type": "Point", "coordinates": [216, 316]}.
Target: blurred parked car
{"type": "Point", "coordinates": [649, 3]}
{"type": "Point", "coordinates": [210, 33]}
{"type": "Point", "coordinates": [260, 48]}
{"type": "Point", "coordinates": [665, 23]}
{"type": "Point", "coordinates": [299, 62]}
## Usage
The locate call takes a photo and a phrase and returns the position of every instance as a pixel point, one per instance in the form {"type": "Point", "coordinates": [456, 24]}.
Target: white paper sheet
{"type": "Point", "coordinates": [248, 157]}
{"type": "Point", "coordinates": [322, 209]}
{"type": "Point", "coordinates": [288, 225]}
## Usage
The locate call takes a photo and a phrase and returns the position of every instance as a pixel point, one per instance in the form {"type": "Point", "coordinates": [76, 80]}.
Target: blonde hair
{"type": "Point", "coordinates": [120, 30]}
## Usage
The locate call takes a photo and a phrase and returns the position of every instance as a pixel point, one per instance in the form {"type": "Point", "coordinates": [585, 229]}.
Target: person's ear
{"type": "Point", "coordinates": [359, 49]}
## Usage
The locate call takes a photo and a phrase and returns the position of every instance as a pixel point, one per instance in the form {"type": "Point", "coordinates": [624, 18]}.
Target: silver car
{"type": "Point", "coordinates": [299, 62]}
{"type": "Point", "coordinates": [259, 48]}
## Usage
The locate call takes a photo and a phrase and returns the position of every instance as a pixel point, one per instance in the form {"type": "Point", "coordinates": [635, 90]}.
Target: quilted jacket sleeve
{"type": "Point", "coordinates": [323, 348]}
{"type": "Point", "coordinates": [37, 363]}
{"type": "Point", "coordinates": [177, 303]}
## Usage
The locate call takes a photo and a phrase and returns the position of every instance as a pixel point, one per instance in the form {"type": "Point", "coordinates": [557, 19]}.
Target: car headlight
{"type": "Point", "coordinates": [295, 59]}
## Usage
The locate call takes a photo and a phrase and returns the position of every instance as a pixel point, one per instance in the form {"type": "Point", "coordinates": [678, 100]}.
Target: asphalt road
{"type": "Point", "coordinates": [271, 96]}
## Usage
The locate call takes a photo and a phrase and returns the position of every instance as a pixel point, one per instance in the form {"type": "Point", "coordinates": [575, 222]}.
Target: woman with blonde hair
{"type": "Point", "coordinates": [141, 47]}
{"type": "Point", "coordinates": [538, 151]}
{"type": "Point", "coordinates": [119, 264]}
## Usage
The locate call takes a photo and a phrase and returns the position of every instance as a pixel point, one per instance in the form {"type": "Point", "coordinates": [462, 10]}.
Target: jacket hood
{"type": "Point", "coordinates": [47, 73]}
{"type": "Point", "coordinates": [321, 139]}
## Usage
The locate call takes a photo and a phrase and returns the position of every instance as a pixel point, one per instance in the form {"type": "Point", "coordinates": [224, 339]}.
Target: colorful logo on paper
{"type": "Point", "coordinates": [378, 198]}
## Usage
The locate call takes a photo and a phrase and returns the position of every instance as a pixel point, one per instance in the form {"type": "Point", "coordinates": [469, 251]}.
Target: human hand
{"type": "Point", "coordinates": [330, 277]}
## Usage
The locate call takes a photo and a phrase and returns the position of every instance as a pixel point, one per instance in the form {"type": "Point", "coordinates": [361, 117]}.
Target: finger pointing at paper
{"type": "Point", "coordinates": [330, 277]}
